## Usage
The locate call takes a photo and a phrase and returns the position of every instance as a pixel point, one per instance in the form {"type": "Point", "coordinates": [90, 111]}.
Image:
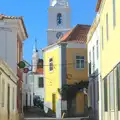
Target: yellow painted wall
{"type": "Point", "coordinates": [76, 74]}
{"type": "Point", "coordinates": [52, 79]}
{"type": "Point", "coordinates": [110, 54]}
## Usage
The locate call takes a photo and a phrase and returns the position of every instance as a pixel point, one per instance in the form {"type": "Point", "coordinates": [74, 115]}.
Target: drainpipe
{"type": "Point", "coordinates": [62, 70]}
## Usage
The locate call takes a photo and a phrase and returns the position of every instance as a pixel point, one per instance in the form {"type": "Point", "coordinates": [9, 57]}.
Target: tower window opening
{"type": "Point", "coordinates": [59, 19]}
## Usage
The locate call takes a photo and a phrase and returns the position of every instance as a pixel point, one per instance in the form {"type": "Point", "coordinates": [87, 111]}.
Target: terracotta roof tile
{"type": "Point", "coordinates": [2, 16]}
{"type": "Point", "coordinates": [77, 34]}
{"type": "Point", "coordinates": [66, 35]}
{"type": "Point", "coordinates": [98, 5]}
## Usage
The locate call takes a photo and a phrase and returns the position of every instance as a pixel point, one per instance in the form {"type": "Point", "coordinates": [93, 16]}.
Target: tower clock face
{"type": "Point", "coordinates": [59, 35]}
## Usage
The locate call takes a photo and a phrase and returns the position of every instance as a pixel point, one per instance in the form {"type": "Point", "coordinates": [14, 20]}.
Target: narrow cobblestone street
{"type": "Point", "coordinates": [54, 119]}
{"type": "Point", "coordinates": [35, 113]}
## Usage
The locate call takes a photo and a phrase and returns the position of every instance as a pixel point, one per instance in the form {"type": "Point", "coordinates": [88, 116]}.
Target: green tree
{"type": "Point", "coordinates": [69, 92]}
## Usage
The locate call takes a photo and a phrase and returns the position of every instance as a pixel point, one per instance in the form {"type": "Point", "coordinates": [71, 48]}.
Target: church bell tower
{"type": "Point", "coordinates": [58, 20]}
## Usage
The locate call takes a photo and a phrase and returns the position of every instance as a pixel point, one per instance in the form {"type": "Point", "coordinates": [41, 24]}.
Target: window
{"type": "Point", "coordinates": [3, 92]}
{"type": "Point", "coordinates": [114, 13]}
{"type": "Point", "coordinates": [93, 58]}
{"type": "Point", "coordinates": [89, 56]}
{"type": "Point", "coordinates": [118, 86]}
{"type": "Point", "coordinates": [18, 50]}
{"type": "Point", "coordinates": [97, 49]}
{"type": "Point", "coordinates": [50, 64]}
{"type": "Point", "coordinates": [0, 85]}
{"type": "Point", "coordinates": [105, 95]}
{"type": "Point", "coordinates": [40, 82]}
{"type": "Point", "coordinates": [107, 32]}
{"type": "Point", "coordinates": [80, 62]}
{"type": "Point", "coordinates": [91, 95]}
{"type": "Point", "coordinates": [26, 99]}
{"type": "Point", "coordinates": [13, 98]}
{"type": "Point", "coordinates": [59, 19]}
{"type": "Point", "coordinates": [26, 78]}
{"type": "Point", "coordinates": [112, 98]}
{"type": "Point", "coordinates": [98, 91]}
{"type": "Point", "coordinates": [89, 62]}
{"type": "Point", "coordinates": [102, 39]}
{"type": "Point", "coordinates": [30, 100]}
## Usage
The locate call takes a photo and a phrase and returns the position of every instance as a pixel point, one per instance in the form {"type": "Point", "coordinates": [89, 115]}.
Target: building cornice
{"type": "Point", "coordinates": [48, 47]}
{"type": "Point", "coordinates": [101, 6]}
{"type": "Point", "coordinates": [93, 28]}
{"type": "Point", "coordinates": [20, 20]}
{"type": "Point", "coordinates": [5, 67]}
{"type": "Point", "coordinates": [21, 29]}
{"type": "Point", "coordinates": [58, 30]}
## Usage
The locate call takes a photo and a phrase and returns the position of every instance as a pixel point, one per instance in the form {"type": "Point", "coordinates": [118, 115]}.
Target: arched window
{"type": "Point", "coordinates": [59, 19]}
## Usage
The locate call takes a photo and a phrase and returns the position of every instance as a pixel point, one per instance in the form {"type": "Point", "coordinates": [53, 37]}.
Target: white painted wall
{"type": "Point", "coordinates": [27, 89]}
{"type": "Point", "coordinates": [38, 91]}
{"type": "Point", "coordinates": [12, 82]}
{"type": "Point", "coordinates": [8, 46]}
{"type": "Point", "coordinates": [94, 92]}
{"type": "Point", "coordinates": [31, 86]}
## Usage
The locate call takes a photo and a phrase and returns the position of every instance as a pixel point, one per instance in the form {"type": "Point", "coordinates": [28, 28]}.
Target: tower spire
{"type": "Point", "coordinates": [36, 45]}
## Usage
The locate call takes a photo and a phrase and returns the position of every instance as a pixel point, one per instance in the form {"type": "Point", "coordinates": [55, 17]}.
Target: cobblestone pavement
{"type": "Point", "coordinates": [54, 119]}
{"type": "Point", "coordinates": [35, 113]}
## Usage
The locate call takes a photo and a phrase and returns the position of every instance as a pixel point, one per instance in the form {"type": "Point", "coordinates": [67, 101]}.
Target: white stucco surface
{"type": "Point", "coordinates": [30, 87]}
{"type": "Point", "coordinates": [95, 84]}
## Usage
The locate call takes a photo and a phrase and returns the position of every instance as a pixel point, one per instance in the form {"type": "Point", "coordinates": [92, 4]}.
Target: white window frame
{"type": "Point", "coordinates": [97, 49]}
{"type": "Point", "coordinates": [80, 61]}
{"type": "Point", "coordinates": [93, 58]}
{"type": "Point", "coordinates": [112, 94]}
{"type": "Point", "coordinates": [107, 27]}
{"type": "Point", "coordinates": [13, 104]}
{"type": "Point", "coordinates": [114, 13]}
{"type": "Point", "coordinates": [0, 87]}
{"type": "Point", "coordinates": [102, 30]}
{"type": "Point", "coordinates": [50, 64]}
{"type": "Point", "coordinates": [3, 92]}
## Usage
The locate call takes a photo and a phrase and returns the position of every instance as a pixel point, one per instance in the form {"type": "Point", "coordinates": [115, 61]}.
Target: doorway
{"type": "Point", "coordinates": [30, 100]}
{"type": "Point", "coordinates": [8, 101]}
{"type": "Point", "coordinates": [26, 99]}
{"type": "Point", "coordinates": [54, 102]}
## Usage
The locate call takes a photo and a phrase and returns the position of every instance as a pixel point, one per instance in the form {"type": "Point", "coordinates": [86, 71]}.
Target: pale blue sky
{"type": "Point", "coordinates": [35, 14]}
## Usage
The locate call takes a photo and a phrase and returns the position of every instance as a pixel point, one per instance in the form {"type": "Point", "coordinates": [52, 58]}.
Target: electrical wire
{"type": "Point", "coordinates": [58, 64]}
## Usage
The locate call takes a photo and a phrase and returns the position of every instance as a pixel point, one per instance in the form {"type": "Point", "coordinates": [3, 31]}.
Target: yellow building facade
{"type": "Point", "coordinates": [76, 74]}
{"type": "Point", "coordinates": [51, 75]}
{"type": "Point", "coordinates": [110, 57]}
{"type": "Point", "coordinates": [65, 63]}
{"type": "Point", "coordinates": [54, 76]}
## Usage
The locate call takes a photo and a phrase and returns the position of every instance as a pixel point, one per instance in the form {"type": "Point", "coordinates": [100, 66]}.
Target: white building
{"type": "Point", "coordinates": [27, 88]}
{"type": "Point", "coordinates": [37, 85]}
{"type": "Point", "coordinates": [35, 58]}
{"type": "Point", "coordinates": [8, 92]}
{"type": "Point", "coordinates": [58, 20]}
{"type": "Point", "coordinates": [12, 35]}
{"type": "Point", "coordinates": [33, 86]}
{"type": "Point", "coordinates": [33, 81]}
{"type": "Point", "coordinates": [94, 67]}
